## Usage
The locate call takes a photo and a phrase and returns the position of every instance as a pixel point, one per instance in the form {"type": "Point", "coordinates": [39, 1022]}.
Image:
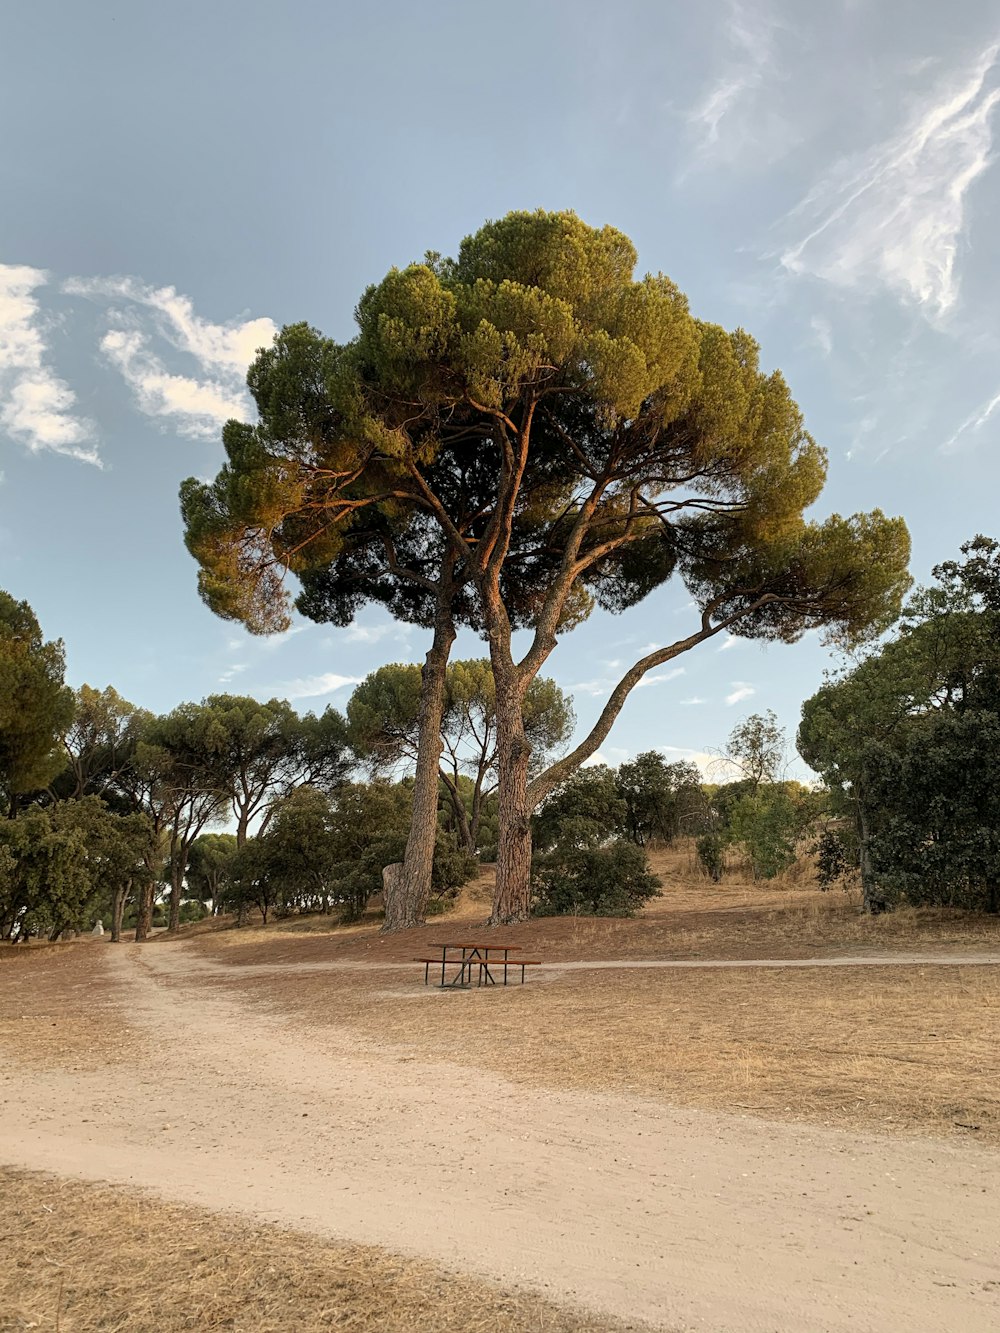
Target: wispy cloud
{"type": "Point", "coordinates": [355, 633]}
{"type": "Point", "coordinates": [660, 677]}
{"type": "Point", "coordinates": [718, 116]}
{"type": "Point", "coordinates": [312, 687]}
{"type": "Point", "coordinates": [148, 320]}
{"type": "Point", "coordinates": [711, 766]}
{"type": "Point", "coordinates": [690, 703]}
{"type": "Point", "coordinates": [730, 641]}
{"type": "Point", "coordinates": [595, 688]}
{"type": "Point", "coordinates": [895, 215]}
{"type": "Point", "coordinates": [37, 408]}
{"type": "Point", "coordinates": [741, 690]}
{"type": "Point", "coordinates": [196, 408]}
{"type": "Point", "coordinates": [973, 423]}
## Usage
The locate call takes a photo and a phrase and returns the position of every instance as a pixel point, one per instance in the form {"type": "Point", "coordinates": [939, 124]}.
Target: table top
{"type": "Point", "coordinates": [479, 945]}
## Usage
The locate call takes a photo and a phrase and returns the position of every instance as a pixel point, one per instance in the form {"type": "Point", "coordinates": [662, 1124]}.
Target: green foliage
{"type": "Point", "coordinates": [756, 747]}
{"type": "Point", "coordinates": [35, 706]}
{"type": "Point", "coordinates": [767, 826]}
{"type": "Point", "coordinates": [907, 743]}
{"type": "Point", "coordinates": [711, 849]}
{"type": "Point", "coordinates": [61, 864]}
{"type": "Point", "coordinates": [662, 800]}
{"type": "Point", "coordinates": [209, 867]}
{"type": "Point", "coordinates": [584, 812]}
{"type": "Point", "coordinates": [322, 851]}
{"type": "Point", "coordinates": [611, 880]}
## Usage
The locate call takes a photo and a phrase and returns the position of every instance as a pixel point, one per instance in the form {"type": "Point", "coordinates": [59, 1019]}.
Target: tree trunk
{"type": "Point", "coordinates": [462, 827]}
{"type": "Point", "coordinates": [176, 889]}
{"type": "Point", "coordinates": [872, 898]}
{"type": "Point", "coordinates": [144, 910]}
{"type": "Point", "coordinates": [512, 896]}
{"type": "Point", "coordinates": [407, 885]}
{"type": "Point", "coordinates": [118, 911]}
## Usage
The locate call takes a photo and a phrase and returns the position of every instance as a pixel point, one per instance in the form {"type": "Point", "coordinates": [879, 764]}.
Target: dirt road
{"type": "Point", "coordinates": [685, 1219]}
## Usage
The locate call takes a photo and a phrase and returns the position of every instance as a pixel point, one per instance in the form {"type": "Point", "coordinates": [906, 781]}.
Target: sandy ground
{"type": "Point", "coordinates": [689, 1220]}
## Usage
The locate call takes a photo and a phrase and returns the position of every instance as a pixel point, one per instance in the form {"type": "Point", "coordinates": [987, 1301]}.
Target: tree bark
{"type": "Point", "coordinates": [177, 869]}
{"type": "Point", "coordinates": [512, 896]}
{"type": "Point", "coordinates": [872, 898]}
{"type": "Point", "coordinates": [144, 910]}
{"type": "Point", "coordinates": [407, 888]}
{"type": "Point", "coordinates": [118, 911]}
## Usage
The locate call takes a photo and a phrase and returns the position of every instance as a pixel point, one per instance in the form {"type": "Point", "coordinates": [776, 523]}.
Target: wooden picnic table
{"type": "Point", "coordinates": [475, 953]}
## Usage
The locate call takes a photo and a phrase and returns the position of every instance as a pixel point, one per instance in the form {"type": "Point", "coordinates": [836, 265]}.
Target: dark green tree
{"type": "Point", "coordinates": [561, 435]}
{"type": "Point", "coordinates": [662, 800]}
{"type": "Point", "coordinates": [889, 734]}
{"type": "Point", "coordinates": [35, 705]}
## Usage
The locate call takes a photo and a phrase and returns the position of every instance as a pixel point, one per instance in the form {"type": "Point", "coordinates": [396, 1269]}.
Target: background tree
{"type": "Point", "coordinates": [35, 706]}
{"type": "Point", "coordinates": [756, 747]}
{"type": "Point", "coordinates": [99, 746]}
{"type": "Point", "coordinates": [209, 868]}
{"type": "Point", "coordinates": [619, 440]}
{"type": "Point", "coordinates": [662, 800]}
{"type": "Point", "coordinates": [383, 718]}
{"type": "Point", "coordinates": [905, 742]}
{"type": "Point", "coordinates": [188, 785]}
{"type": "Point", "coordinates": [587, 810]}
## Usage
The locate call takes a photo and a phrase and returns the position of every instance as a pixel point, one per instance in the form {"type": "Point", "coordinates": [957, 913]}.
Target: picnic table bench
{"type": "Point", "coordinates": [475, 954]}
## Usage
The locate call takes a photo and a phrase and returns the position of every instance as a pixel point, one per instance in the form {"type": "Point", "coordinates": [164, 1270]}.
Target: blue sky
{"type": "Point", "coordinates": [181, 179]}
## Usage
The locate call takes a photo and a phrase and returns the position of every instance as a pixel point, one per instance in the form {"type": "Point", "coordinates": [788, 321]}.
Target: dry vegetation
{"type": "Point", "coordinates": [81, 1258]}
{"type": "Point", "coordinates": [901, 1049]}
{"type": "Point", "coordinates": [693, 918]}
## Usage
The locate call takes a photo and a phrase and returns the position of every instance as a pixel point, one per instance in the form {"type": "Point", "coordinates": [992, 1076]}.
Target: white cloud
{"type": "Point", "coordinates": [730, 641]}
{"type": "Point", "coordinates": [741, 691]}
{"type": "Point", "coordinates": [896, 214]}
{"type": "Point", "coordinates": [217, 347]}
{"type": "Point", "coordinates": [822, 331]}
{"type": "Point", "coordinates": [36, 406]}
{"type": "Point", "coordinates": [689, 703]}
{"type": "Point", "coordinates": [660, 677]}
{"type": "Point", "coordinates": [712, 767]}
{"type": "Point", "coordinates": [196, 405]}
{"type": "Point", "coordinates": [973, 423]}
{"type": "Point", "coordinates": [719, 118]}
{"type": "Point", "coordinates": [312, 687]}
{"type": "Point", "coordinates": [595, 688]}
{"type": "Point", "coordinates": [356, 633]}
{"type": "Point", "coordinates": [598, 757]}
{"type": "Point", "coordinates": [197, 408]}
{"type": "Point", "coordinates": [232, 671]}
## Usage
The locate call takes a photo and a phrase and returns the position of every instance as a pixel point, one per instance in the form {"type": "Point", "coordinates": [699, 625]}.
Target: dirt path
{"type": "Point", "coordinates": [686, 1219]}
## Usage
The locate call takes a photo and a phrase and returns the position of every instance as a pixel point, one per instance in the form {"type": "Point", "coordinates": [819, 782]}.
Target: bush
{"type": "Point", "coordinates": [711, 849]}
{"type": "Point", "coordinates": [614, 880]}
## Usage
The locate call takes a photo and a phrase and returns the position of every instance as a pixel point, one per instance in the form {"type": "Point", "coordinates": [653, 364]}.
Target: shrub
{"type": "Point", "coordinates": [711, 849]}
{"type": "Point", "coordinates": [614, 880]}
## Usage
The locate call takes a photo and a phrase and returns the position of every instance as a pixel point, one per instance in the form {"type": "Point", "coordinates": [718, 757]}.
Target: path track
{"type": "Point", "coordinates": [682, 1218]}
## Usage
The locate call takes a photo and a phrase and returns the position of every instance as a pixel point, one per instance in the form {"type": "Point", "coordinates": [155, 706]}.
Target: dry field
{"type": "Point", "coordinates": [907, 1051]}
{"type": "Point", "coordinates": [693, 918]}
{"type": "Point", "coordinates": [81, 1258]}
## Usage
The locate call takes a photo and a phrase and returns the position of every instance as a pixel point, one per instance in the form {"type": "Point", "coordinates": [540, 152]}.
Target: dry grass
{"type": "Point", "coordinates": [81, 1258]}
{"type": "Point", "coordinates": [693, 918]}
{"type": "Point", "coordinates": [57, 1006]}
{"type": "Point", "coordinates": [902, 1049]}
